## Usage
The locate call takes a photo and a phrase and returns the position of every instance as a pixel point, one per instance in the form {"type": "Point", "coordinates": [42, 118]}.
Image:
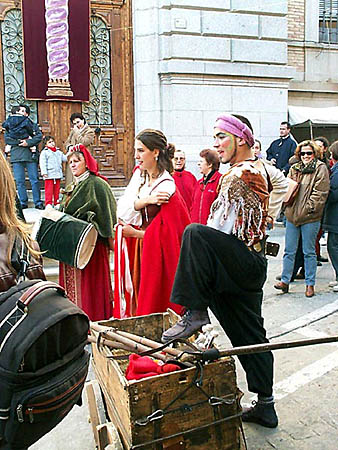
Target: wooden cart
{"type": "Point", "coordinates": [195, 408]}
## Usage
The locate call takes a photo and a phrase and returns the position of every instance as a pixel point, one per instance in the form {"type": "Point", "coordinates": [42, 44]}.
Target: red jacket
{"type": "Point", "coordinates": [204, 196]}
{"type": "Point", "coordinates": [186, 183]}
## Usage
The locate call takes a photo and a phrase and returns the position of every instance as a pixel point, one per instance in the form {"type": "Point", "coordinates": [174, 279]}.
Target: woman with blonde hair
{"type": "Point", "coordinates": [14, 234]}
{"type": "Point", "coordinates": [303, 216]}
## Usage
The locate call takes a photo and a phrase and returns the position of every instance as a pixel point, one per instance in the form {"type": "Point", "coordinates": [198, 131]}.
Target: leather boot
{"type": "Point", "coordinates": [191, 321]}
{"type": "Point", "coordinates": [262, 413]}
{"type": "Point", "coordinates": [284, 287]}
{"type": "Point", "coordinates": [310, 291]}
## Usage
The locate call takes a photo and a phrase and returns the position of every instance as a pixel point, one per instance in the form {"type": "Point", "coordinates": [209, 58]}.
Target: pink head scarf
{"type": "Point", "coordinates": [235, 126]}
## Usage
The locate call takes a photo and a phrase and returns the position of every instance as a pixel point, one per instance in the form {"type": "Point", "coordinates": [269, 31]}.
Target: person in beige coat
{"type": "Point", "coordinates": [81, 133]}
{"type": "Point", "coordinates": [304, 215]}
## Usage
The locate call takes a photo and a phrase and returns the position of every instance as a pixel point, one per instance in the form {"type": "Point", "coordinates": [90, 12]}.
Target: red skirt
{"type": "Point", "coordinates": [90, 288]}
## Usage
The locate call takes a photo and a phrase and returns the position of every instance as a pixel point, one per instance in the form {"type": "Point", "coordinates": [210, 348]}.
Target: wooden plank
{"type": "Point", "coordinates": [115, 418]}
{"type": "Point", "coordinates": [111, 381]}
{"type": "Point", "coordinates": [108, 437]}
{"type": "Point", "coordinates": [96, 407]}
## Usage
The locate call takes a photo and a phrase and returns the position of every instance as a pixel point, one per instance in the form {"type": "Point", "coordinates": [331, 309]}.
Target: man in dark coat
{"type": "Point", "coordinates": [281, 150]}
{"type": "Point", "coordinates": [23, 158]}
{"type": "Point", "coordinates": [330, 219]}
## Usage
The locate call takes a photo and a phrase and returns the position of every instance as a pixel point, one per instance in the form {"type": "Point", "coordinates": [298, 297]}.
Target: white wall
{"type": "Point", "coordinates": [196, 59]}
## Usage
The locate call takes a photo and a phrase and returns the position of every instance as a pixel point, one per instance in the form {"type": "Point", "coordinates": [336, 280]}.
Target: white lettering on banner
{"type": "Point", "coordinates": [57, 44]}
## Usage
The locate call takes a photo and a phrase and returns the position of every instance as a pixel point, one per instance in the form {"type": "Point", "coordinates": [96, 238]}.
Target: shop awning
{"type": "Point", "coordinates": [304, 115]}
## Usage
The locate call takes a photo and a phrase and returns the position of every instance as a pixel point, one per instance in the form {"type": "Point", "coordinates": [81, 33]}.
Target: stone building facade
{"type": "Point", "coordinates": [314, 57]}
{"type": "Point", "coordinates": [195, 59]}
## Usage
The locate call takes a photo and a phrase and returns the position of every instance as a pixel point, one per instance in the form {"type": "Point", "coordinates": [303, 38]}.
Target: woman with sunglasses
{"type": "Point", "coordinates": [304, 215]}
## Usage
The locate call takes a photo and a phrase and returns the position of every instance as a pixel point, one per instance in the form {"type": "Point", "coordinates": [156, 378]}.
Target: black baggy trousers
{"type": "Point", "coordinates": [218, 271]}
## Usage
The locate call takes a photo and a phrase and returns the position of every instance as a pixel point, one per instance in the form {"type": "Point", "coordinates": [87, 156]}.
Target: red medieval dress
{"type": "Point", "coordinates": [158, 261]}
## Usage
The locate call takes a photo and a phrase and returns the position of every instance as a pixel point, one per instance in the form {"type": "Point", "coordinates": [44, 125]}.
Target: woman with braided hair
{"type": "Point", "coordinates": [152, 217]}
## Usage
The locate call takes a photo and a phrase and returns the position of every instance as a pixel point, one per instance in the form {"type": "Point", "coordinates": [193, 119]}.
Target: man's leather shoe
{"type": "Point", "coordinates": [39, 206]}
{"type": "Point", "coordinates": [284, 287]}
{"type": "Point", "coordinates": [262, 413]}
{"type": "Point", "coordinates": [190, 322]}
{"type": "Point", "coordinates": [310, 291]}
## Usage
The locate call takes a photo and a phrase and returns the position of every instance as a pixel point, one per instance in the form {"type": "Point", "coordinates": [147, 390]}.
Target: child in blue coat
{"type": "Point", "coordinates": [51, 160]}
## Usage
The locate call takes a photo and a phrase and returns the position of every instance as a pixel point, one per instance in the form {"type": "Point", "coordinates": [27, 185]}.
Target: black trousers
{"type": "Point", "coordinates": [218, 271]}
{"type": "Point", "coordinates": [332, 249]}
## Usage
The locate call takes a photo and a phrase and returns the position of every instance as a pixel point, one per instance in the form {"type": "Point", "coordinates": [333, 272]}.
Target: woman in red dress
{"type": "Point", "coordinates": [152, 216]}
{"type": "Point", "coordinates": [90, 198]}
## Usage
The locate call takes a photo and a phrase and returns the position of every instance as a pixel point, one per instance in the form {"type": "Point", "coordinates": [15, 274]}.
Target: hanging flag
{"type": "Point", "coordinates": [56, 38]}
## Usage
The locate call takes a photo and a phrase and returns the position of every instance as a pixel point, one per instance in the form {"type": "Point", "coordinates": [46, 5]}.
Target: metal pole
{"type": "Point", "coordinates": [261, 348]}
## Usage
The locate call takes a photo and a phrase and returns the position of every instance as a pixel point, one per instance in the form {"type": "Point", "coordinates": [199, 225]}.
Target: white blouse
{"type": "Point", "coordinates": [125, 205]}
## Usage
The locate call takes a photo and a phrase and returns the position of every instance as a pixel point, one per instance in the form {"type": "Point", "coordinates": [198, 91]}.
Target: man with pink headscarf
{"type": "Point", "coordinates": [222, 265]}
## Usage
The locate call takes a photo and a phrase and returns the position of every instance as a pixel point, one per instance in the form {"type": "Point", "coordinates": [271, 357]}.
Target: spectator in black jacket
{"type": "Point", "coordinates": [23, 157]}
{"type": "Point", "coordinates": [281, 150]}
{"type": "Point", "coordinates": [330, 218]}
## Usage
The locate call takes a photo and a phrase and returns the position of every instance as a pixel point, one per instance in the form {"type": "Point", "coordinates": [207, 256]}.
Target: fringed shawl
{"type": "Point", "coordinates": [244, 191]}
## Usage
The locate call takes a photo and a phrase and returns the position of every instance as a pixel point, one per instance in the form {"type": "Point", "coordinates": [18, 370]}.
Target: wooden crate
{"type": "Point", "coordinates": [190, 421]}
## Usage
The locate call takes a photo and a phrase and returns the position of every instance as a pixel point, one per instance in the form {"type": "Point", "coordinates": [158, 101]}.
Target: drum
{"type": "Point", "coordinates": [64, 238]}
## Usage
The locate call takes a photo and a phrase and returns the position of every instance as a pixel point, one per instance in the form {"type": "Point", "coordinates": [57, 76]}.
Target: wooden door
{"type": "Point", "coordinates": [113, 125]}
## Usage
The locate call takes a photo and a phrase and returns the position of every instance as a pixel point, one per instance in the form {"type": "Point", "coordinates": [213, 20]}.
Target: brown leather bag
{"type": "Point", "coordinates": [22, 263]}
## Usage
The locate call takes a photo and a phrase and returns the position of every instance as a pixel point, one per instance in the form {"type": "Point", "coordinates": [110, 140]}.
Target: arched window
{"type": "Point", "coordinates": [98, 111]}
{"type": "Point", "coordinates": [12, 54]}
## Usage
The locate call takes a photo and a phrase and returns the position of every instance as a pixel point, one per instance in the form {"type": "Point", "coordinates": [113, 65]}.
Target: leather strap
{"type": "Point", "coordinates": [20, 310]}
{"type": "Point", "coordinates": [37, 288]}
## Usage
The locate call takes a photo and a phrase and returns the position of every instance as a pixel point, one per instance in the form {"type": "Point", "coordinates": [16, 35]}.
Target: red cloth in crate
{"type": "Point", "coordinates": [143, 366]}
